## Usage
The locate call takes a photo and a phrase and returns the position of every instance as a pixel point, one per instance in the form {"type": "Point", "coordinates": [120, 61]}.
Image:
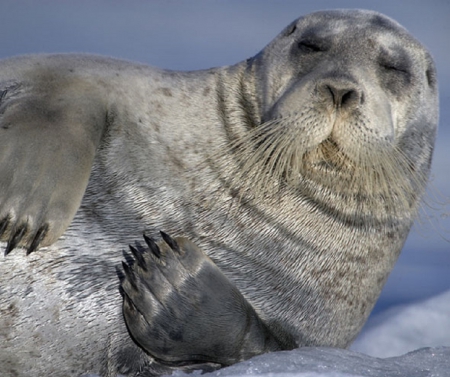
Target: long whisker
{"type": "Point", "coordinates": [287, 153]}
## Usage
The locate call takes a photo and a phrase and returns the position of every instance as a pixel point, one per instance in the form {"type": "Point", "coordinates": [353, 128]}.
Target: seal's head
{"type": "Point", "coordinates": [349, 110]}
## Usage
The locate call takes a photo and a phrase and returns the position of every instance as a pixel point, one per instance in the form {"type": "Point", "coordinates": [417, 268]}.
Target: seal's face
{"type": "Point", "coordinates": [348, 108]}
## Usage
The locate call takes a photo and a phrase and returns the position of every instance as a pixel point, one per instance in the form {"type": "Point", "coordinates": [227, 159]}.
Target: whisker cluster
{"type": "Point", "coordinates": [290, 153]}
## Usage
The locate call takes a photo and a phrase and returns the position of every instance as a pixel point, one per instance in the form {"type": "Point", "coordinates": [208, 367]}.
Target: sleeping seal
{"type": "Point", "coordinates": [285, 185]}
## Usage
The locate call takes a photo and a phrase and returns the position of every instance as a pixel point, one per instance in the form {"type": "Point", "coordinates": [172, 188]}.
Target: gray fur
{"type": "Point", "coordinates": [96, 151]}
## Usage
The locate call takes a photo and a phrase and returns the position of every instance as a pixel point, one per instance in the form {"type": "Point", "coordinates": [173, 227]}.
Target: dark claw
{"type": "Point", "coordinates": [129, 274]}
{"type": "Point", "coordinates": [170, 241]}
{"type": "Point", "coordinates": [3, 225]}
{"type": "Point", "coordinates": [2, 94]}
{"type": "Point", "coordinates": [8, 249]}
{"type": "Point", "coordinates": [153, 246]}
{"type": "Point", "coordinates": [40, 235]}
{"type": "Point", "coordinates": [138, 256]}
{"type": "Point", "coordinates": [15, 239]}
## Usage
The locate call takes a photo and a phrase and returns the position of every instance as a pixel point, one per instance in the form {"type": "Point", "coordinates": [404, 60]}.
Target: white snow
{"type": "Point", "coordinates": [406, 328]}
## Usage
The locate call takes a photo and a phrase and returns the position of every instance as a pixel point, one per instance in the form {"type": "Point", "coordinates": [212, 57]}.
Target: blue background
{"type": "Point", "coordinates": [187, 35]}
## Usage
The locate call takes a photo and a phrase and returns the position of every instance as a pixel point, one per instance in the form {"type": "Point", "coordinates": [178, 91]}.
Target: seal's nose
{"type": "Point", "coordinates": [343, 95]}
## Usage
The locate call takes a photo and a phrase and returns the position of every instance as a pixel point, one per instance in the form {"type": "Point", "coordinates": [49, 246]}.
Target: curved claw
{"type": "Point", "coordinates": [152, 246]}
{"type": "Point", "coordinates": [3, 225]}
{"type": "Point", "coordinates": [15, 239]}
{"type": "Point", "coordinates": [129, 274]}
{"type": "Point", "coordinates": [170, 241]}
{"type": "Point", "coordinates": [3, 94]}
{"type": "Point", "coordinates": [38, 238]}
{"type": "Point", "coordinates": [139, 258]}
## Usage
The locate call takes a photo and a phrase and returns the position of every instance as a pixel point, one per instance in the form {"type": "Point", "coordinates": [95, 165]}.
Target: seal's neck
{"type": "Point", "coordinates": [238, 100]}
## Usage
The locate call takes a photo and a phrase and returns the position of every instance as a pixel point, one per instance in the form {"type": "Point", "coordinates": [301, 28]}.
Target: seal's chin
{"type": "Point", "coordinates": [328, 157]}
{"type": "Point", "coordinates": [305, 154]}
{"type": "Point", "coordinates": [329, 166]}
{"type": "Point", "coordinates": [380, 184]}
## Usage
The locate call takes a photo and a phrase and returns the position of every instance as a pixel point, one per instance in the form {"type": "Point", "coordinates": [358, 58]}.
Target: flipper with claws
{"type": "Point", "coordinates": [180, 308]}
{"type": "Point", "coordinates": [49, 132]}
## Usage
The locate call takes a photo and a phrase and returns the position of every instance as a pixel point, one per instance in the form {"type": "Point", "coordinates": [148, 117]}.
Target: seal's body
{"type": "Point", "coordinates": [298, 172]}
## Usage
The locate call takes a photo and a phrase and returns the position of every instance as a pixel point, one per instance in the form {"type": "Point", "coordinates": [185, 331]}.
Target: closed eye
{"type": "Point", "coordinates": [309, 47]}
{"type": "Point", "coordinates": [394, 68]}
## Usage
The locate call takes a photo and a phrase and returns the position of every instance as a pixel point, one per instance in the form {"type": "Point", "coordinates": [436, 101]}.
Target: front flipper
{"type": "Point", "coordinates": [181, 309]}
{"type": "Point", "coordinates": [50, 128]}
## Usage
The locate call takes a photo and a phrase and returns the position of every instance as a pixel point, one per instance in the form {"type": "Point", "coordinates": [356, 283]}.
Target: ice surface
{"type": "Point", "coordinates": [331, 362]}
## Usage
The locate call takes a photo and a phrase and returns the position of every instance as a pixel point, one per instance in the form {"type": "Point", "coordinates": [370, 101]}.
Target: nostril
{"type": "Point", "coordinates": [342, 96]}
{"type": "Point", "coordinates": [348, 97]}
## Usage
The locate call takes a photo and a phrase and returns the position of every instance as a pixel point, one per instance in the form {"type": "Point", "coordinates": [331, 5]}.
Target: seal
{"type": "Point", "coordinates": [288, 181]}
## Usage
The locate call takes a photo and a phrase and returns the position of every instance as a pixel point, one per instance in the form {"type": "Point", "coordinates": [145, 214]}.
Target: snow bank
{"type": "Point", "coordinates": [406, 328]}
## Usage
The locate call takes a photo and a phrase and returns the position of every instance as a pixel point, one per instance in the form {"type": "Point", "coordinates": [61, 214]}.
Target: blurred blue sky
{"type": "Point", "coordinates": [199, 34]}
